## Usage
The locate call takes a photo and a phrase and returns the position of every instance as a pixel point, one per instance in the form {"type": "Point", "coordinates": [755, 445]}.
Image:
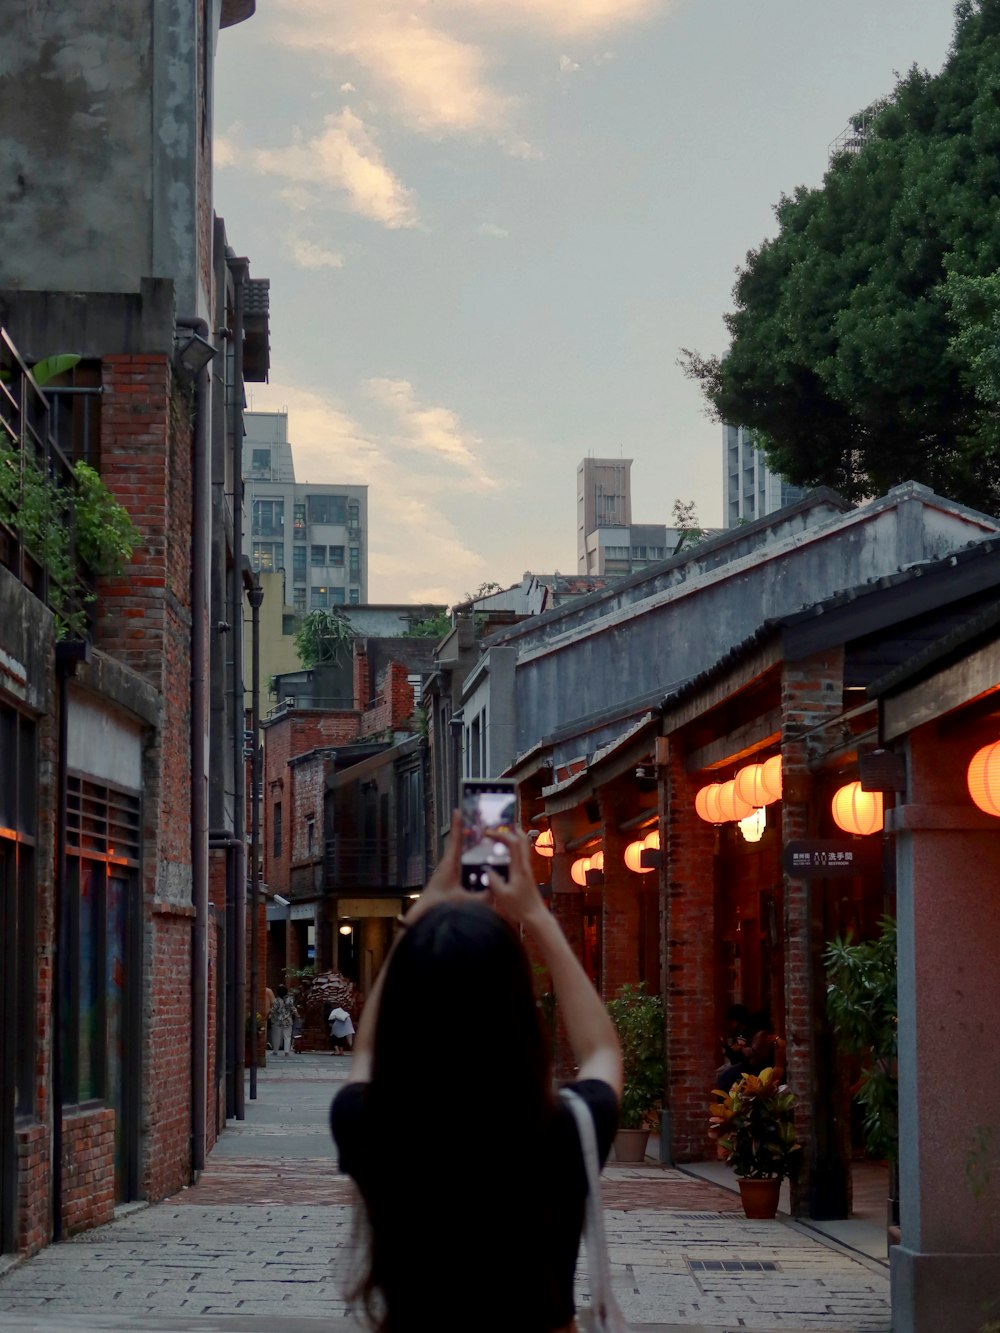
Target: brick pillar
{"type": "Point", "coordinates": [621, 906]}
{"type": "Point", "coordinates": [689, 955]}
{"type": "Point", "coordinates": [362, 687]}
{"type": "Point", "coordinates": [812, 692]}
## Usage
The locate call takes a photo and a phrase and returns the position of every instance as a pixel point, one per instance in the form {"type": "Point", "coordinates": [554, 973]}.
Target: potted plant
{"type": "Point", "coordinates": [639, 1022]}
{"type": "Point", "coordinates": [754, 1122]}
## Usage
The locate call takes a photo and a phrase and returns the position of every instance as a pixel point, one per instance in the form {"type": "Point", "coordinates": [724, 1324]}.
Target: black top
{"type": "Point", "coordinates": [512, 1266]}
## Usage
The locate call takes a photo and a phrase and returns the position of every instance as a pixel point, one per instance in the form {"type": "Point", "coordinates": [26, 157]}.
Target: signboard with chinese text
{"type": "Point", "coordinates": [818, 858]}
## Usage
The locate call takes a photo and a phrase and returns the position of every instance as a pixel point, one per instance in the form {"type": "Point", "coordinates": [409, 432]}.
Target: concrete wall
{"type": "Point", "coordinates": [656, 630]}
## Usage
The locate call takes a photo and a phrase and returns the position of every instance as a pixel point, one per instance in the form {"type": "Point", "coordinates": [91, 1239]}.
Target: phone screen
{"type": "Point", "coordinates": [486, 806]}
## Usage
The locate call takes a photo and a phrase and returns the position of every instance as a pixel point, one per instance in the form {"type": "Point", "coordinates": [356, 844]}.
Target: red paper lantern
{"type": "Point", "coordinates": [857, 811]}
{"type": "Point", "coordinates": [983, 778]}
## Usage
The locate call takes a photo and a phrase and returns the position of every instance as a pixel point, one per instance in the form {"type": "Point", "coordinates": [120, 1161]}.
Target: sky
{"type": "Point", "coordinates": [491, 226]}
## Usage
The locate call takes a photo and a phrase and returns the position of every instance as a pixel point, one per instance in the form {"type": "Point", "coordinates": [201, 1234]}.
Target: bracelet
{"type": "Point", "coordinates": [402, 921]}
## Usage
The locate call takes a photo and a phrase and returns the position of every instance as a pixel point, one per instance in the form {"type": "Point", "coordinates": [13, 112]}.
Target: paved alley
{"type": "Point", "coordinates": [268, 1235]}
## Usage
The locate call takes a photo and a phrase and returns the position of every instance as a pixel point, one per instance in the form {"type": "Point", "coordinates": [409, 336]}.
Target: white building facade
{"type": "Point", "coordinates": [752, 489]}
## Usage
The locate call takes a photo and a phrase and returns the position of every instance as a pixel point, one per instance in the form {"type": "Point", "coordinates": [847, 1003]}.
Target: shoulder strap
{"type": "Point", "coordinates": [608, 1318]}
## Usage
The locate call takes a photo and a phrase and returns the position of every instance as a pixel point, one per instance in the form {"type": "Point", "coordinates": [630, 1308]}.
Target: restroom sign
{"type": "Point", "coordinates": [817, 858]}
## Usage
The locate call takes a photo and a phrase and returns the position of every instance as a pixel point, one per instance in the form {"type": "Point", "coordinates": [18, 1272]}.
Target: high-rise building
{"type": "Point", "coordinates": [752, 489]}
{"type": "Point", "coordinates": [603, 500]}
{"type": "Point", "coordinates": [317, 534]}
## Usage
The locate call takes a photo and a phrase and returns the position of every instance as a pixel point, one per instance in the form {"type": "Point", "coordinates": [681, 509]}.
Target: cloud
{"type": "Point", "coordinates": [411, 538]}
{"type": "Point", "coordinates": [307, 254]}
{"type": "Point", "coordinates": [348, 88]}
{"type": "Point", "coordinates": [435, 432]}
{"type": "Point", "coordinates": [345, 158]}
{"type": "Point", "coordinates": [567, 65]}
{"type": "Point", "coordinates": [491, 229]}
{"type": "Point", "coordinates": [225, 152]}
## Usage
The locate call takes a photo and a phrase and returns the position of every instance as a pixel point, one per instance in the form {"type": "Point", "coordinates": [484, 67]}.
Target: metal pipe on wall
{"type": "Point", "coordinates": [256, 597]}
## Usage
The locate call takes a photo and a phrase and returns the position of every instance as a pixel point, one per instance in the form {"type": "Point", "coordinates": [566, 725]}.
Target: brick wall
{"type": "Point", "coordinates": [33, 1188]}
{"type": "Point", "coordinates": [88, 1152]}
{"type": "Point", "coordinates": [692, 1055]}
{"type": "Point", "coordinates": [620, 934]}
{"type": "Point", "coordinates": [167, 1157]}
{"type": "Point", "coordinates": [395, 702]}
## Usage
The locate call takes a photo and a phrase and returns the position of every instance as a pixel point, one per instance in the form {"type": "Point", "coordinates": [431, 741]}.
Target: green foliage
{"type": "Point", "coordinates": [755, 1122]}
{"type": "Point", "coordinates": [690, 532]}
{"type": "Point", "coordinates": [105, 534]}
{"type": "Point", "coordinates": [639, 1022]}
{"type": "Point", "coordinates": [433, 627]}
{"type": "Point", "coordinates": [51, 366]}
{"type": "Point", "coordinates": [324, 638]}
{"type": "Point", "coordinates": [864, 344]}
{"type": "Point", "coordinates": [33, 504]}
{"type": "Point", "coordinates": [861, 1002]}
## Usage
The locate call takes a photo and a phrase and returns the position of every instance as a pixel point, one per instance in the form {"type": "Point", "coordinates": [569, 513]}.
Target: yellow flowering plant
{"type": "Point", "coordinates": [754, 1124]}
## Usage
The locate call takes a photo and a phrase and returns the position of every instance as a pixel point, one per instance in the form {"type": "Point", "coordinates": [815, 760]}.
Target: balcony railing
{"type": "Point", "coordinates": [28, 449]}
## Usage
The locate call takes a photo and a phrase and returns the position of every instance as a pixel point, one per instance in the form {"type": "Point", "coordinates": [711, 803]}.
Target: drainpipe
{"type": "Point", "coordinates": [239, 268]}
{"type": "Point", "coordinates": [201, 490]}
{"type": "Point", "coordinates": [256, 596]}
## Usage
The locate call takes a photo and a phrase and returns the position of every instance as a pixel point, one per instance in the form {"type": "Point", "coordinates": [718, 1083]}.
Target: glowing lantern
{"type": "Point", "coordinates": [730, 804]}
{"type": "Point", "coordinates": [347, 930]}
{"type": "Point", "coordinates": [857, 811]}
{"type": "Point", "coordinates": [752, 827]}
{"type": "Point", "coordinates": [771, 778]}
{"type": "Point", "coordinates": [632, 854]}
{"type": "Point", "coordinates": [652, 841]}
{"type": "Point", "coordinates": [984, 778]}
{"type": "Point", "coordinates": [578, 871]}
{"type": "Point", "coordinates": [596, 861]}
{"type": "Point", "coordinates": [750, 786]}
{"type": "Point", "coordinates": [706, 804]}
{"type": "Point", "coordinates": [545, 843]}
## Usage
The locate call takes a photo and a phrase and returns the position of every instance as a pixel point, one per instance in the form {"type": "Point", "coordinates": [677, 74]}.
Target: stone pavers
{"type": "Point", "coordinates": [267, 1239]}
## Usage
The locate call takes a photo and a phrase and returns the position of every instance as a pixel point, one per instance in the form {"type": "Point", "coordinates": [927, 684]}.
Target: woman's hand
{"type": "Point", "coordinates": [445, 883]}
{"type": "Point", "coordinates": [517, 897]}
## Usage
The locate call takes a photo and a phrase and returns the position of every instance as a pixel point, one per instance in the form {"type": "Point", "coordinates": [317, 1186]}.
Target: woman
{"type": "Point", "coordinates": [468, 1165]}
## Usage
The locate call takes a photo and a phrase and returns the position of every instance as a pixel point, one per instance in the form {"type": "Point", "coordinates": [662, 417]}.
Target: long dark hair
{"type": "Point", "coordinates": [457, 1110]}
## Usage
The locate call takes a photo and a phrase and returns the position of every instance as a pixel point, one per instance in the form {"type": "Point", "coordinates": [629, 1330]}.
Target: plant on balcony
{"type": "Point", "coordinates": [105, 534]}
{"type": "Point", "coordinates": [324, 638]}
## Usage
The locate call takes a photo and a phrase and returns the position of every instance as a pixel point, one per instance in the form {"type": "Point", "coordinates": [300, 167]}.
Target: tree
{"type": "Point", "coordinates": [864, 335]}
{"type": "Point", "coordinates": [689, 530]}
{"type": "Point", "coordinates": [323, 638]}
{"type": "Point", "coordinates": [433, 627]}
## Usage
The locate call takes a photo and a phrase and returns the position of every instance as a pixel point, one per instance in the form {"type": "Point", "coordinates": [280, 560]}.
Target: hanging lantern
{"type": "Point", "coordinates": [545, 843]}
{"type": "Point", "coordinates": [857, 811]}
{"type": "Point", "coordinates": [347, 930]}
{"type": "Point", "coordinates": [578, 871]}
{"type": "Point", "coordinates": [771, 778]}
{"type": "Point", "coordinates": [984, 778]}
{"type": "Point", "coordinates": [750, 785]}
{"type": "Point", "coordinates": [632, 854]}
{"type": "Point", "coordinates": [730, 804]}
{"type": "Point", "coordinates": [596, 861]}
{"type": "Point", "coordinates": [652, 840]}
{"type": "Point", "coordinates": [706, 804]}
{"type": "Point", "coordinates": [753, 826]}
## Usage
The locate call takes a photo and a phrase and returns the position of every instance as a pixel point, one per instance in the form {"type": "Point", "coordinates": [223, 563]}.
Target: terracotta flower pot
{"type": "Point", "coordinates": [630, 1145]}
{"type": "Point", "coordinates": [760, 1197]}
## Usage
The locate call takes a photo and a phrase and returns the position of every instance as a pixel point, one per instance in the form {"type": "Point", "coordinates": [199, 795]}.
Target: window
{"type": "Point", "coordinates": [299, 599]}
{"type": "Point", "coordinates": [18, 817]}
{"type": "Point", "coordinates": [103, 836]}
{"type": "Point", "coordinates": [268, 518]}
{"type": "Point", "coordinates": [354, 568]}
{"type": "Point", "coordinates": [287, 623]}
{"type": "Point", "coordinates": [317, 556]}
{"type": "Point", "coordinates": [260, 460]}
{"type": "Point", "coordinates": [329, 509]}
{"type": "Point", "coordinates": [337, 556]}
{"type": "Point", "coordinates": [268, 556]}
{"type": "Point", "coordinates": [318, 597]}
{"type": "Point", "coordinates": [277, 828]}
{"type": "Point", "coordinates": [298, 564]}
{"type": "Point", "coordinates": [337, 597]}
{"type": "Point", "coordinates": [310, 833]}
{"type": "Point", "coordinates": [353, 515]}
{"type": "Point", "coordinates": [299, 522]}
{"type": "Point", "coordinates": [355, 596]}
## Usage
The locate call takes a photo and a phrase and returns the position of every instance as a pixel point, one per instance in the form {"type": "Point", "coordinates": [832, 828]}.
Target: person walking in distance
{"type": "Point", "coordinates": [478, 1225]}
{"type": "Point", "coordinates": [283, 1016]}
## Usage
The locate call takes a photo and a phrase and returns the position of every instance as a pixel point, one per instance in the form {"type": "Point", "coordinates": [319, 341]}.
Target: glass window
{"type": "Point", "coordinates": [298, 564]}
{"type": "Point", "coordinates": [355, 596]}
{"type": "Point", "coordinates": [330, 509]}
{"type": "Point", "coordinates": [317, 556]}
{"type": "Point", "coordinates": [260, 460]}
{"type": "Point", "coordinates": [277, 828]}
{"type": "Point", "coordinates": [353, 515]}
{"type": "Point", "coordinates": [338, 596]}
{"type": "Point", "coordinates": [299, 599]}
{"type": "Point", "coordinates": [337, 556]}
{"type": "Point", "coordinates": [267, 556]}
{"type": "Point", "coordinates": [268, 518]}
{"type": "Point", "coordinates": [318, 597]}
{"type": "Point", "coordinates": [355, 562]}
{"type": "Point", "coordinates": [299, 522]}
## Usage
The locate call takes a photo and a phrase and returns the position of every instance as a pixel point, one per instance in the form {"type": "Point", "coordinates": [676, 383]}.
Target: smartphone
{"type": "Point", "coordinates": [487, 804]}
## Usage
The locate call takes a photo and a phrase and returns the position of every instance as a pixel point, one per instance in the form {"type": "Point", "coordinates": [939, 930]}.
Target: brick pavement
{"type": "Point", "coordinates": [268, 1235]}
